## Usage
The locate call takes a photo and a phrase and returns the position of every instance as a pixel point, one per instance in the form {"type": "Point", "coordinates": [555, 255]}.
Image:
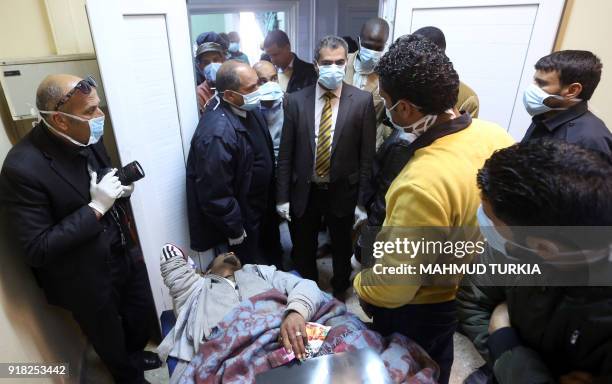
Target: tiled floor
{"type": "Point", "coordinates": [466, 357]}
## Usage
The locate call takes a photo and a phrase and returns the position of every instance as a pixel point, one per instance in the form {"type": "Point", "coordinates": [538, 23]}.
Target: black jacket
{"type": "Point", "coordinates": [353, 147]}
{"type": "Point", "coordinates": [219, 169]}
{"type": "Point", "coordinates": [576, 125]}
{"type": "Point", "coordinates": [44, 192]}
{"type": "Point", "coordinates": [555, 330]}
{"type": "Point", "coordinates": [304, 75]}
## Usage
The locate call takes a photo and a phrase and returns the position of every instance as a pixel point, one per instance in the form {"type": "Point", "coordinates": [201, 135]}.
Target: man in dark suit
{"type": "Point", "coordinates": [293, 73]}
{"type": "Point", "coordinates": [324, 163]}
{"type": "Point", "coordinates": [74, 230]}
{"type": "Point", "coordinates": [230, 172]}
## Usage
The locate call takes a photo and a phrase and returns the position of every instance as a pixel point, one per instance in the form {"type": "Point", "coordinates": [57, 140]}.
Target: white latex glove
{"type": "Point", "coordinates": [283, 211]}
{"type": "Point", "coordinates": [127, 190]}
{"type": "Point", "coordinates": [238, 240]}
{"type": "Point", "coordinates": [104, 193]}
{"type": "Point", "coordinates": [360, 216]}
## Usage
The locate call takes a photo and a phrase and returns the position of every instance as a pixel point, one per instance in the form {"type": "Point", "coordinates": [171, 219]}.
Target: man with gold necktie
{"type": "Point", "coordinates": [324, 163]}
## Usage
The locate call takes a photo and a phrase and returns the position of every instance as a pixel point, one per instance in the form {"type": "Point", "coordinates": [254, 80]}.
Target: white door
{"type": "Point", "coordinates": [493, 44]}
{"type": "Point", "coordinates": [144, 56]}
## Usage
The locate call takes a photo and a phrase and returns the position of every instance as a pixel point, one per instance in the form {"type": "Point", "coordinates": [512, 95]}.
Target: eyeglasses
{"type": "Point", "coordinates": [84, 86]}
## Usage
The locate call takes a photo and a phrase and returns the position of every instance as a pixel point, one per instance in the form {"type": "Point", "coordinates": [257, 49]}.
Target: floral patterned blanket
{"type": "Point", "coordinates": [237, 349]}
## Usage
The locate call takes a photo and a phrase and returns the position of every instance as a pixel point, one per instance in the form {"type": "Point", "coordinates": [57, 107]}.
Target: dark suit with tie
{"type": "Point", "coordinates": [344, 186]}
{"type": "Point", "coordinates": [91, 267]}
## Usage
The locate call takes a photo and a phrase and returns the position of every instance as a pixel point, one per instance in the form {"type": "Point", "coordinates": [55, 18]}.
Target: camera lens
{"type": "Point", "coordinates": [131, 173]}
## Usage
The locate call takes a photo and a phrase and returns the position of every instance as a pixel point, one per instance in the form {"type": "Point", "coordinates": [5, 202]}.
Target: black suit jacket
{"type": "Point", "coordinates": [353, 147]}
{"type": "Point", "coordinates": [304, 75]}
{"type": "Point", "coordinates": [44, 192]}
{"type": "Point", "coordinates": [576, 125]}
{"type": "Point", "coordinates": [219, 174]}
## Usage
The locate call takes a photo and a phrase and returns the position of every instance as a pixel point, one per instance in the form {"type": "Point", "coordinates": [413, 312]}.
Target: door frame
{"type": "Point", "coordinates": [106, 19]}
{"type": "Point", "coordinates": [289, 7]}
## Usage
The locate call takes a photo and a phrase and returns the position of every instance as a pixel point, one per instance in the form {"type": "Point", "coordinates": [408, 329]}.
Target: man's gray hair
{"type": "Point", "coordinates": [48, 96]}
{"type": "Point", "coordinates": [332, 42]}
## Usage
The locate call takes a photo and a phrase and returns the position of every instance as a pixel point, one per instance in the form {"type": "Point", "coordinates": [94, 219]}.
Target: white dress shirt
{"type": "Point", "coordinates": [319, 104]}
{"type": "Point", "coordinates": [284, 75]}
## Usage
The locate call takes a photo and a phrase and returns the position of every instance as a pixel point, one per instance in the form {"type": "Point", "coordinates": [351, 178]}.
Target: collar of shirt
{"type": "Point", "coordinates": [239, 112]}
{"type": "Point", "coordinates": [562, 117]}
{"type": "Point", "coordinates": [289, 67]}
{"type": "Point", "coordinates": [322, 91]}
{"type": "Point", "coordinates": [66, 149]}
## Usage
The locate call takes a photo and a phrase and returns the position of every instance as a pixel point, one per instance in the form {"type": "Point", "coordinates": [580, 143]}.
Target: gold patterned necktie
{"type": "Point", "coordinates": [325, 138]}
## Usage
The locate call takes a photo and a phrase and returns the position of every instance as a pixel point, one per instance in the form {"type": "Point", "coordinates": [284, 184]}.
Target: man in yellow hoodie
{"type": "Point", "coordinates": [436, 188]}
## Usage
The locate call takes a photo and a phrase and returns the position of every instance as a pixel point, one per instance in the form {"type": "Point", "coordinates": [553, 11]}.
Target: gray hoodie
{"type": "Point", "coordinates": [200, 302]}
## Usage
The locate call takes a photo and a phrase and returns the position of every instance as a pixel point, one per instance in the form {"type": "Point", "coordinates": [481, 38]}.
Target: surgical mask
{"type": "Point", "coordinates": [331, 76]}
{"type": "Point", "coordinates": [250, 100]}
{"type": "Point", "coordinates": [210, 72]}
{"type": "Point", "coordinates": [368, 58]}
{"type": "Point", "coordinates": [234, 47]}
{"type": "Point", "coordinates": [270, 91]}
{"type": "Point", "coordinates": [96, 128]}
{"type": "Point", "coordinates": [420, 125]}
{"type": "Point", "coordinates": [499, 243]}
{"type": "Point", "coordinates": [534, 97]}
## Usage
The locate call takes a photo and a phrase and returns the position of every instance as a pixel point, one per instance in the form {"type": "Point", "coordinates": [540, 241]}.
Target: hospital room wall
{"type": "Point", "coordinates": [586, 25]}
{"type": "Point", "coordinates": [31, 330]}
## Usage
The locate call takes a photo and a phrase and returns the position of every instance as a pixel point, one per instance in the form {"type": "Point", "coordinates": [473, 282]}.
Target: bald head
{"type": "Point", "coordinates": [266, 71]}
{"type": "Point", "coordinates": [52, 89]}
{"type": "Point", "coordinates": [374, 34]}
{"type": "Point", "coordinates": [231, 74]}
{"type": "Point", "coordinates": [234, 79]}
{"type": "Point", "coordinates": [73, 115]}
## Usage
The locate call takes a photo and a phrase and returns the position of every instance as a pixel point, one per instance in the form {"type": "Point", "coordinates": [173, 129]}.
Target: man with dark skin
{"type": "Point", "coordinates": [360, 67]}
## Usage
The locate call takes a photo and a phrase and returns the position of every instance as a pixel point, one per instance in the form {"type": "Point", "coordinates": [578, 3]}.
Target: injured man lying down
{"type": "Point", "coordinates": [235, 321]}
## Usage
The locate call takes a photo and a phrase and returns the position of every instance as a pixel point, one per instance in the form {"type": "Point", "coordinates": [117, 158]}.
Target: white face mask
{"type": "Point", "coordinates": [331, 76]}
{"type": "Point", "coordinates": [499, 243]}
{"type": "Point", "coordinates": [96, 128]}
{"type": "Point", "coordinates": [368, 58]}
{"type": "Point", "coordinates": [250, 101]}
{"type": "Point", "coordinates": [534, 97]}
{"type": "Point", "coordinates": [421, 124]}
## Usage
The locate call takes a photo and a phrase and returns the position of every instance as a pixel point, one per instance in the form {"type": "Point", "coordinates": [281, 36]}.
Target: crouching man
{"type": "Point", "coordinates": [201, 301]}
{"type": "Point", "coordinates": [544, 334]}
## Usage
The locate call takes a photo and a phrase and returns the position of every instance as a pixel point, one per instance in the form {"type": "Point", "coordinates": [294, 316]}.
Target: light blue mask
{"type": "Point", "coordinates": [210, 72]}
{"type": "Point", "coordinates": [368, 58]}
{"type": "Point", "coordinates": [234, 47]}
{"type": "Point", "coordinates": [250, 100]}
{"type": "Point", "coordinates": [499, 243]}
{"type": "Point", "coordinates": [534, 97]}
{"type": "Point", "coordinates": [331, 76]}
{"type": "Point", "coordinates": [96, 128]}
{"type": "Point", "coordinates": [270, 91]}
{"type": "Point", "coordinates": [487, 228]}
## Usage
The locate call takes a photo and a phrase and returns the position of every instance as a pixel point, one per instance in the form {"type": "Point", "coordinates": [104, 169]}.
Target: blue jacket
{"type": "Point", "coordinates": [219, 172]}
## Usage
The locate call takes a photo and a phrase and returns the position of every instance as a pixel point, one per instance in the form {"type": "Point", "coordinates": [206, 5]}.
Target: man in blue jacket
{"type": "Point", "coordinates": [230, 170]}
